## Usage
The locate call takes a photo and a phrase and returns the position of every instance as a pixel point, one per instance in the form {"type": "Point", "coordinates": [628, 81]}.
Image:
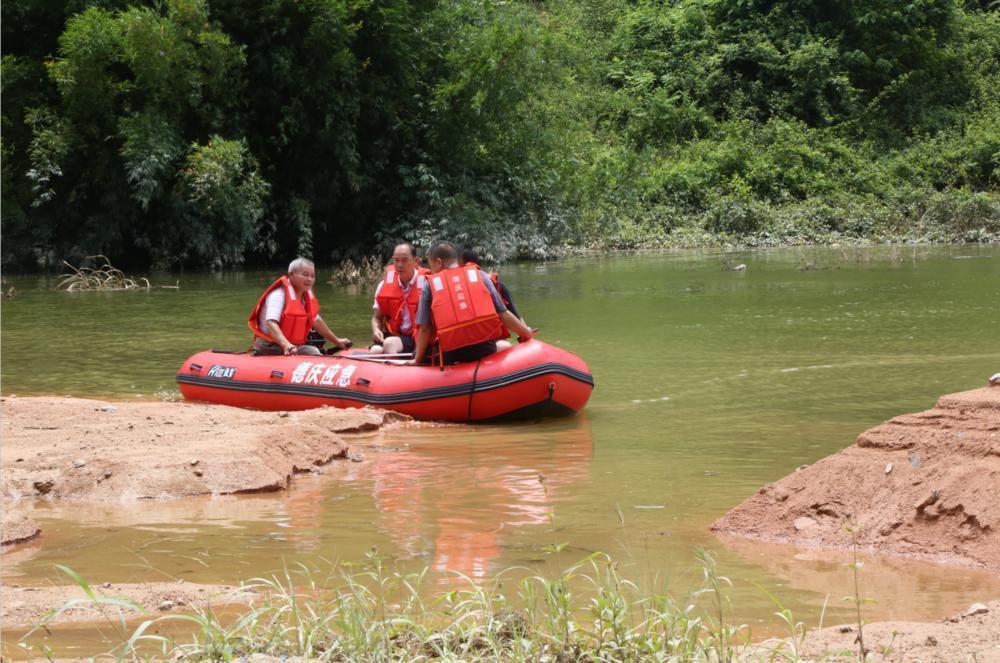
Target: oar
{"type": "Point", "coordinates": [378, 359]}
{"type": "Point", "coordinates": [350, 344]}
{"type": "Point", "coordinates": [380, 356]}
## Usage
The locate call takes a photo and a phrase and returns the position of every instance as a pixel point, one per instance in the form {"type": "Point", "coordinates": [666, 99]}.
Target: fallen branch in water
{"type": "Point", "coordinates": [366, 270]}
{"type": "Point", "coordinates": [106, 277]}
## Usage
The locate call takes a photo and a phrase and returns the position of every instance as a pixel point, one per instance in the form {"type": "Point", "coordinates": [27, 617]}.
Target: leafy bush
{"type": "Point", "coordinates": [521, 127]}
{"type": "Point", "coordinates": [224, 195]}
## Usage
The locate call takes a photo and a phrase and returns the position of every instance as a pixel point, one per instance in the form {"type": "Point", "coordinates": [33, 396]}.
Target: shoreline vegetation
{"type": "Point", "coordinates": [370, 612]}
{"type": "Point", "coordinates": [216, 133]}
{"type": "Point", "coordinates": [830, 252]}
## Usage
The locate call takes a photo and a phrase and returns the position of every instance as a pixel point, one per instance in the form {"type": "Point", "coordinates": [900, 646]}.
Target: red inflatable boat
{"type": "Point", "coordinates": [529, 381]}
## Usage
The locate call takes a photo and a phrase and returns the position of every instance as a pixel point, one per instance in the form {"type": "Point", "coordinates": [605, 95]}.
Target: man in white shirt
{"type": "Point", "coordinates": [396, 299]}
{"type": "Point", "coordinates": [287, 312]}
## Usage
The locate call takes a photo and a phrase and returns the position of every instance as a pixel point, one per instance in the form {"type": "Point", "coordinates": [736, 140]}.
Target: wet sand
{"type": "Point", "coordinates": [921, 485]}
{"type": "Point", "coordinates": [17, 528]}
{"type": "Point", "coordinates": [71, 448]}
{"type": "Point", "coordinates": [973, 635]}
{"type": "Point", "coordinates": [95, 451]}
{"type": "Point", "coordinates": [26, 606]}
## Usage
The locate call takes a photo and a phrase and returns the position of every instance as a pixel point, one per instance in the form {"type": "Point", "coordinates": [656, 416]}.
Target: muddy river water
{"type": "Point", "coordinates": [710, 384]}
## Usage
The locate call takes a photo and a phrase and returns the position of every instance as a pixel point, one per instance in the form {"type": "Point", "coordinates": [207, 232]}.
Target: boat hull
{"type": "Point", "coordinates": [529, 381]}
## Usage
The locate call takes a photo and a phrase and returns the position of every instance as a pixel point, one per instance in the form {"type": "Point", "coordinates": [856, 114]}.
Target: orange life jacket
{"type": "Point", "coordinates": [296, 318]}
{"type": "Point", "coordinates": [390, 300]}
{"type": "Point", "coordinates": [495, 278]}
{"type": "Point", "coordinates": [462, 308]}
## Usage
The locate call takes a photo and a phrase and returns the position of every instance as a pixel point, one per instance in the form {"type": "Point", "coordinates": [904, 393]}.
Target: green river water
{"type": "Point", "coordinates": [710, 384]}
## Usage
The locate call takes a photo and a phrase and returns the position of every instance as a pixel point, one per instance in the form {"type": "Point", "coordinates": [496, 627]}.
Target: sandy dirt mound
{"type": "Point", "coordinates": [17, 528]}
{"type": "Point", "coordinates": [86, 449]}
{"type": "Point", "coordinates": [922, 485]}
{"type": "Point", "coordinates": [973, 635]}
{"type": "Point", "coordinates": [27, 606]}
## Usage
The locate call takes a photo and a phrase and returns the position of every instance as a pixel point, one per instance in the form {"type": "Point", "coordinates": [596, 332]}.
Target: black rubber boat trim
{"type": "Point", "coordinates": [399, 397]}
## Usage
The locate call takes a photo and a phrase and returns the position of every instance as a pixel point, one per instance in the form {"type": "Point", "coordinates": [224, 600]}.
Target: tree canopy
{"type": "Point", "coordinates": [217, 132]}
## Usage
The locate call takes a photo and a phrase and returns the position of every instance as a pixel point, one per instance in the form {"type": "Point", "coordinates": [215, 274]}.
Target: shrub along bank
{"type": "Point", "coordinates": [198, 132]}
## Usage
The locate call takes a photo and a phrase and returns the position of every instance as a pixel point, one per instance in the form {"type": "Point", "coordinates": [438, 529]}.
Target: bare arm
{"type": "Point", "coordinates": [377, 335]}
{"type": "Point", "coordinates": [424, 335]}
{"type": "Point", "coordinates": [517, 325]}
{"type": "Point", "coordinates": [327, 333]}
{"type": "Point", "coordinates": [274, 329]}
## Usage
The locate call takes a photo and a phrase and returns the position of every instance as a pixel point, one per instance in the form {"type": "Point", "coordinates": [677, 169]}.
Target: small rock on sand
{"type": "Point", "coordinates": [975, 609]}
{"type": "Point", "coordinates": [803, 523]}
{"type": "Point", "coordinates": [43, 487]}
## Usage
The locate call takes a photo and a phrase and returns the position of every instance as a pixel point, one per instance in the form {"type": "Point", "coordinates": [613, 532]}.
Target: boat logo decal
{"type": "Point", "coordinates": [223, 372]}
{"type": "Point", "coordinates": [308, 372]}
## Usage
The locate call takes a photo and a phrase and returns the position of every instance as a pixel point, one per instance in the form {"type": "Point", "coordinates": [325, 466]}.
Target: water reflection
{"type": "Point", "coordinates": [892, 587]}
{"type": "Point", "coordinates": [458, 494]}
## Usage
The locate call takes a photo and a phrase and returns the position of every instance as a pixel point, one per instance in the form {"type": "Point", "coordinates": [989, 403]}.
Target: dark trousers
{"type": "Point", "coordinates": [470, 352]}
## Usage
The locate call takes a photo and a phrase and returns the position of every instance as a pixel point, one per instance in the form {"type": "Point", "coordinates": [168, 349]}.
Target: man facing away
{"type": "Point", "coordinates": [463, 308]}
{"type": "Point", "coordinates": [397, 296]}
{"type": "Point", "coordinates": [471, 257]}
{"type": "Point", "coordinates": [287, 311]}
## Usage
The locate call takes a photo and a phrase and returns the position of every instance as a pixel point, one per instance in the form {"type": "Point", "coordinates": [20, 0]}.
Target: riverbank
{"type": "Point", "coordinates": [973, 635]}
{"type": "Point", "coordinates": [920, 485]}
{"type": "Point", "coordinates": [81, 449]}
{"type": "Point", "coordinates": [355, 619]}
{"type": "Point", "coordinates": [22, 607]}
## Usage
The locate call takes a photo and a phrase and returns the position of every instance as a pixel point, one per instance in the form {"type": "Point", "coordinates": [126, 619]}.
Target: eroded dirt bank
{"type": "Point", "coordinates": [72, 448]}
{"type": "Point", "coordinates": [17, 528]}
{"type": "Point", "coordinates": [922, 485]}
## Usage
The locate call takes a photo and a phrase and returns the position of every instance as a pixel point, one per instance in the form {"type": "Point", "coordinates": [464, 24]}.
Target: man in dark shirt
{"type": "Point", "coordinates": [442, 256]}
{"type": "Point", "coordinates": [469, 256]}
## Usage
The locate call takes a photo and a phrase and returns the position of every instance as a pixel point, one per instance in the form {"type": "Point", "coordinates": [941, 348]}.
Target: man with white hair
{"type": "Point", "coordinates": [287, 311]}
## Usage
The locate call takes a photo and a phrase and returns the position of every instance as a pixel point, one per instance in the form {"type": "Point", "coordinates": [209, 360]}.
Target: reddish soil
{"type": "Point", "coordinates": [16, 528]}
{"type": "Point", "coordinates": [77, 449]}
{"type": "Point", "coordinates": [973, 635]}
{"type": "Point", "coordinates": [921, 485]}
{"type": "Point", "coordinates": [27, 606]}
{"type": "Point", "coordinates": [71, 448]}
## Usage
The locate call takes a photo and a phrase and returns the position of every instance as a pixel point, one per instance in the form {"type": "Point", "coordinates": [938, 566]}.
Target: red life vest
{"type": "Point", "coordinates": [462, 308]}
{"type": "Point", "coordinates": [390, 300]}
{"type": "Point", "coordinates": [504, 332]}
{"type": "Point", "coordinates": [296, 318]}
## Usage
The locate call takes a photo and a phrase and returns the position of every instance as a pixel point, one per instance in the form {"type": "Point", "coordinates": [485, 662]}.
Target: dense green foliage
{"type": "Point", "coordinates": [196, 132]}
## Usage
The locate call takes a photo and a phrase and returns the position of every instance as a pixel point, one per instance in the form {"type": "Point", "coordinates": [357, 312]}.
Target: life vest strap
{"type": "Point", "coordinates": [467, 323]}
